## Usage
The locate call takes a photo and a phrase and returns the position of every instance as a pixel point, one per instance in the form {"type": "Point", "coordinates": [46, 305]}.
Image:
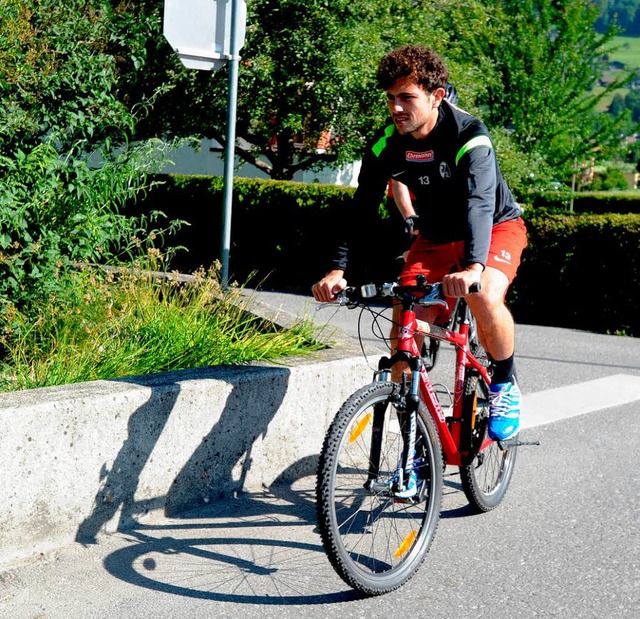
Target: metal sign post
{"type": "Point", "coordinates": [206, 34]}
{"type": "Point", "coordinates": [229, 156]}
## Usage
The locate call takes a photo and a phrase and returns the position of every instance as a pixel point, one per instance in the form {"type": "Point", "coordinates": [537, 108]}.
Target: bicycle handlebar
{"type": "Point", "coordinates": [422, 292]}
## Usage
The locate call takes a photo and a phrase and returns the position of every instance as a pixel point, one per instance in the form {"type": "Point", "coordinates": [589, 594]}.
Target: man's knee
{"type": "Point", "coordinates": [491, 298]}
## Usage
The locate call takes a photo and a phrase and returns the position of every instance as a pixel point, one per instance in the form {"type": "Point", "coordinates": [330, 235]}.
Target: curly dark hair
{"type": "Point", "coordinates": [418, 63]}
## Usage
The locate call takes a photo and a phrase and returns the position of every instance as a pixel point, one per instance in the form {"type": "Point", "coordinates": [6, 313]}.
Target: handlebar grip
{"type": "Point", "coordinates": [476, 287]}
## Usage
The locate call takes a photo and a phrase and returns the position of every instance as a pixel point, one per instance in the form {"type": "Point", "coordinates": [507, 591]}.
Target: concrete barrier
{"type": "Point", "coordinates": [81, 460]}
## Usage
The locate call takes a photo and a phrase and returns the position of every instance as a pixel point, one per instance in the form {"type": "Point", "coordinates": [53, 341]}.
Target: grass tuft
{"type": "Point", "coordinates": [131, 323]}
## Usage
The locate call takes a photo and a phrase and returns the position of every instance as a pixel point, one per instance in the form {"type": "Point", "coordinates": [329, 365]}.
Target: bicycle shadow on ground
{"type": "Point", "coordinates": [259, 548]}
{"type": "Point", "coordinates": [454, 502]}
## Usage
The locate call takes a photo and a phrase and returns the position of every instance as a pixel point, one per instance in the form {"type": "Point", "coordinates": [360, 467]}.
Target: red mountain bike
{"type": "Point", "coordinates": [376, 522]}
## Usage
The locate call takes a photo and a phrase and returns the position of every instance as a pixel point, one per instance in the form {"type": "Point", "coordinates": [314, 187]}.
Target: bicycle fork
{"type": "Point", "coordinates": [408, 422]}
{"type": "Point", "coordinates": [407, 402]}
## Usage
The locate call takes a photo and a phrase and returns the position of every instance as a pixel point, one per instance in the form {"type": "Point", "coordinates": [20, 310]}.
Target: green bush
{"type": "Point", "coordinates": [607, 202]}
{"type": "Point", "coordinates": [611, 179]}
{"type": "Point", "coordinates": [588, 201]}
{"type": "Point", "coordinates": [572, 271]}
{"type": "Point", "coordinates": [61, 121]}
{"type": "Point", "coordinates": [57, 211]}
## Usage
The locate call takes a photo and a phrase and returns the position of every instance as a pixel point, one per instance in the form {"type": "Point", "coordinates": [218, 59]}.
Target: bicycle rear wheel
{"type": "Point", "coordinates": [375, 541]}
{"type": "Point", "coordinates": [486, 478]}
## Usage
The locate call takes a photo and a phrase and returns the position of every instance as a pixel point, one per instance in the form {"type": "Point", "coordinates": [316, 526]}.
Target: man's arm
{"type": "Point", "coordinates": [402, 198]}
{"type": "Point", "coordinates": [479, 168]}
{"type": "Point", "coordinates": [372, 182]}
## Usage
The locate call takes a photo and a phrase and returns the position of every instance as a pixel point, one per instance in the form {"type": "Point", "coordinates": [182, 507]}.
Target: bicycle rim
{"type": "Point", "coordinates": [375, 541]}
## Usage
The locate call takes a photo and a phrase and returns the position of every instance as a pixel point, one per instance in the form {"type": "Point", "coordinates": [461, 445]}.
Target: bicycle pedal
{"type": "Point", "coordinates": [514, 442]}
{"type": "Point", "coordinates": [407, 494]}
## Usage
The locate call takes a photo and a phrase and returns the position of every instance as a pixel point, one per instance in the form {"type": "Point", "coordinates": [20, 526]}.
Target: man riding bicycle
{"type": "Point", "coordinates": [469, 225]}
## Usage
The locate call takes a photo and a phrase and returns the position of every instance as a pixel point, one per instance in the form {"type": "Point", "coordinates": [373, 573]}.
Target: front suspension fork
{"type": "Point", "coordinates": [407, 401]}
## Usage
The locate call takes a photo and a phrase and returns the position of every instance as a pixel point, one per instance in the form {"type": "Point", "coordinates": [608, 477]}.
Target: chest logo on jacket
{"type": "Point", "coordinates": [445, 170]}
{"type": "Point", "coordinates": [419, 157]}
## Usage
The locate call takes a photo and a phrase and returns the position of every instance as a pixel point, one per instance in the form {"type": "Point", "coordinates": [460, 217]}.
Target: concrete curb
{"type": "Point", "coordinates": [81, 460]}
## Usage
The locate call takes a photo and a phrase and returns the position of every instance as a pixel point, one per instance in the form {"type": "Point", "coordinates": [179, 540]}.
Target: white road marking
{"type": "Point", "coordinates": [594, 395]}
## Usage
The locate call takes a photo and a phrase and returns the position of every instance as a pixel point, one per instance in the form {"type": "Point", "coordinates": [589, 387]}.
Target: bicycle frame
{"type": "Point", "coordinates": [449, 429]}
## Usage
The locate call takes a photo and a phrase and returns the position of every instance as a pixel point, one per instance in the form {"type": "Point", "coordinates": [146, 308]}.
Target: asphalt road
{"type": "Point", "coordinates": [564, 543]}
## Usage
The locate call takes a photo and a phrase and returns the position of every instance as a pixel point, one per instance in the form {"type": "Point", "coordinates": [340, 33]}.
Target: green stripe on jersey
{"type": "Point", "coordinates": [480, 140]}
{"type": "Point", "coordinates": [380, 145]}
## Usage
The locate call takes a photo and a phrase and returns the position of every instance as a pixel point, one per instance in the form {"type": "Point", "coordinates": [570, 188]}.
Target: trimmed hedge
{"type": "Point", "coordinates": [281, 232]}
{"type": "Point", "coordinates": [590, 201]}
{"type": "Point", "coordinates": [580, 271]}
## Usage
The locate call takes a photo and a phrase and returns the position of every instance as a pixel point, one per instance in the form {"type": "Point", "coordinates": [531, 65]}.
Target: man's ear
{"type": "Point", "coordinates": [439, 95]}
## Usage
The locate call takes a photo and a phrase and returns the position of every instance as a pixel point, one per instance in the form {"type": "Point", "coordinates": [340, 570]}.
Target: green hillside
{"type": "Point", "coordinates": [624, 50]}
{"type": "Point", "coordinates": [627, 51]}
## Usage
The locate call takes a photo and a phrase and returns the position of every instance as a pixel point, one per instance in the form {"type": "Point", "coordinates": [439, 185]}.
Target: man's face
{"type": "Point", "coordinates": [413, 110]}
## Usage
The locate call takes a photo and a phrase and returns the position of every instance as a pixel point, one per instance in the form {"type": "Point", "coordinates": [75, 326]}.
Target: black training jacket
{"type": "Point", "coordinates": [454, 175]}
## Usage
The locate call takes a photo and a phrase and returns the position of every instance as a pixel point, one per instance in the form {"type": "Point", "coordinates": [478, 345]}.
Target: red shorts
{"type": "Point", "coordinates": [435, 260]}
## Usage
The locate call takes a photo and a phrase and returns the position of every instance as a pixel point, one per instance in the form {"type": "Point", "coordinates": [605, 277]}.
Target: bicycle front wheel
{"type": "Point", "coordinates": [376, 541]}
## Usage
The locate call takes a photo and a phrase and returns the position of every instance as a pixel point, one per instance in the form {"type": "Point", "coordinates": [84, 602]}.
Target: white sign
{"type": "Point", "coordinates": [200, 31]}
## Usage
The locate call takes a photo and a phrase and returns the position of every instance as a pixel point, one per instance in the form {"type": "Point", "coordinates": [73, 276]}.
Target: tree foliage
{"type": "Point", "coordinates": [307, 94]}
{"type": "Point", "coordinates": [59, 70]}
{"type": "Point", "coordinates": [541, 60]}
{"type": "Point", "coordinates": [623, 13]}
{"type": "Point", "coordinates": [62, 116]}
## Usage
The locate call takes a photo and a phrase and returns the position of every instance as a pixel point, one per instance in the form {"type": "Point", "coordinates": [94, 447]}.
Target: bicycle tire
{"type": "Point", "coordinates": [374, 541]}
{"type": "Point", "coordinates": [486, 478]}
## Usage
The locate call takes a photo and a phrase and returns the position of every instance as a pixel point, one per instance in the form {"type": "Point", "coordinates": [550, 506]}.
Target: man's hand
{"type": "Point", "coordinates": [411, 226]}
{"type": "Point", "coordinates": [457, 284]}
{"type": "Point", "coordinates": [329, 286]}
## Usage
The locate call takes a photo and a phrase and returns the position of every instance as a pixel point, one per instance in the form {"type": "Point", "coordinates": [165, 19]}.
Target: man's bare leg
{"type": "Point", "coordinates": [496, 329]}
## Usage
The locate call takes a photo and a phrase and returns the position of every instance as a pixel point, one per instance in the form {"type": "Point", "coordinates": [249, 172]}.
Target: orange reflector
{"type": "Point", "coordinates": [359, 429]}
{"type": "Point", "coordinates": [473, 411]}
{"type": "Point", "coordinates": [406, 544]}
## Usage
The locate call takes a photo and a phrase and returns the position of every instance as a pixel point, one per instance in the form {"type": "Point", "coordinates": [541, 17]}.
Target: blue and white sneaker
{"type": "Point", "coordinates": [411, 489]}
{"type": "Point", "coordinates": [505, 400]}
